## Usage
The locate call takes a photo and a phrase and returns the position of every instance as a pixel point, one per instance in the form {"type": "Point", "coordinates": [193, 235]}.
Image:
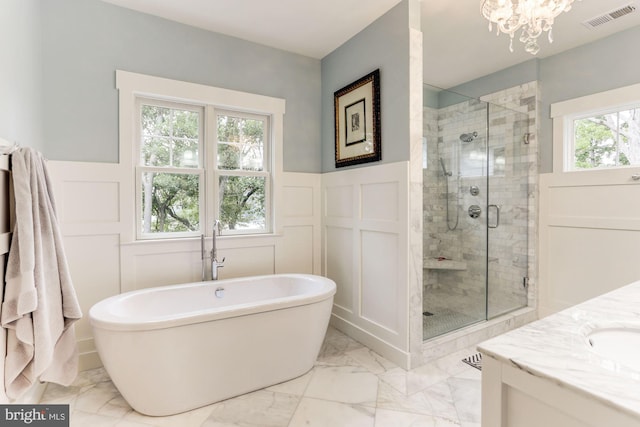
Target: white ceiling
{"type": "Point", "coordinates": [457, 44]}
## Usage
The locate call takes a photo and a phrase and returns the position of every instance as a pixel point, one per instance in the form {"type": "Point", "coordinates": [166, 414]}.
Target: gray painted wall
{"type": "Point", "coordinates": [385, 45]}
{"type": "Point", "coordinates": [509, 77]}
{"type": "Point", "coordinates": [85, 41]}
{"type": "Point", "coordinates": [606, 64]}
{"type": "Point", "coordinates": [21, 73]}
{"type": "Point", "coordinates": [603, 65]}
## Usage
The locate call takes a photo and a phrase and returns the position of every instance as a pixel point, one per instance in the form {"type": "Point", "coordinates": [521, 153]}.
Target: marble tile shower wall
{"type": "Point", "coordinates": [512, 175]}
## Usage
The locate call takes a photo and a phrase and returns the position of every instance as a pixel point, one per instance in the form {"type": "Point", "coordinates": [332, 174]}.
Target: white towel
{"type": "Point", "coordinates": [39, 305]}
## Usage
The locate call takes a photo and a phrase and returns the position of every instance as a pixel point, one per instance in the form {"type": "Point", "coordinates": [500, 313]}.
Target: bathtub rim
{"type": "Point", "coordinates": [101, 316]}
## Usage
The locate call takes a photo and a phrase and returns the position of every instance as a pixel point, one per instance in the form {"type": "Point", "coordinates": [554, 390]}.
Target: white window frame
{"type": "Point", "coordinates": [212, 162]}
{"type": "Point", "coordinates": [133, 85]}
{"type": "Point", "coordinates": [140, 169]}
{"type": "Point", "coordinates": [564, 113]}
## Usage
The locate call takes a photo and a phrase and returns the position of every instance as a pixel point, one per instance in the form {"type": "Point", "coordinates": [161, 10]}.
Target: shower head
{"type": "Point", "coordinates": [468, 137]}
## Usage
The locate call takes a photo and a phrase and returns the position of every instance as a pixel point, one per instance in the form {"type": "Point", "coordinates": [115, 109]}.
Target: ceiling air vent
{"type": "Point", "coordinates": [609, 16]}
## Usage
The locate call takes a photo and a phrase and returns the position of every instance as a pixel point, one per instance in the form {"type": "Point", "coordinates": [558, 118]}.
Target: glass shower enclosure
{"type": "Point", "coordinates": [476, 168]}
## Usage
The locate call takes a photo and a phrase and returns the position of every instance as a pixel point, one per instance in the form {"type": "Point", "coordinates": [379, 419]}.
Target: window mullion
{"type": "Point", "coordinates": [211, 186]}
{"type": "Point", "coordinates": [618, 138]}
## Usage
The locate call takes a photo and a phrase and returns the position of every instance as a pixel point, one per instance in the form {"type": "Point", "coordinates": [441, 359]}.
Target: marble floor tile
{"type": "Point", "coordinates": [392, 399]}
{"type": "Point", "coordinates": [440, 401]}
{"type": "Point", "coordinates": [335, 347]}
{"type": "Point", "coordinates": [127, 423]}
{"type": "Point", "coordinates": [387, 418]}
{"type": "Point", "coordinates": [410, 382]}
{"type": "Point", "coordinates": [346, 384]}
{"type": "Point", "coordinates": [371, 361]}
{"type": "Point", "coordinates": [466, 397]}
{"type": "Point", "coordinates": [261, 408]}
{"type": "Point", "coordinates": [296, 386]}
{"type": "Point", "coordinates": [322, 413]}
{"type": "Point", "coordinates": [194, 418]}
{"type": "Point", "coordinates": [116, 407]}
{"type": "Point", "coordinates": [84, 419]}
{"type": "Point", "coordinates": [349, 386]}
{"type": "Point", "coordinates": [452, 364]}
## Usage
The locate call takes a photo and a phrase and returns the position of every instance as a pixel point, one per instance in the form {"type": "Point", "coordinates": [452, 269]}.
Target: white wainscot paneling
{"type": "Point", "coordinates": [602, 202]}
{"type": "Point", "coordinates": [90, 202]}
{"type": "Point", "coordinates": [589, 235]}
{"type": "Point", "coordinates": [366, 254]}
{"type": "Point", "coordinates": [339, 201]}
{"type": "Point", "coordinates": [169, 268]}
{"type": "Point", "coordinates": [89, 210]}
{"type": "Point", "coordinates": [248, 261]}
{"type": "Point", "coordinates": [380, 201]}
{"type": "Point", "coordinates": [298, 201]}
{"type": "Point", "coordinates": [296, 251]}
{"type": "Point", "coordinates": [340, 264]}
{"type": "Point", "coordinates": [94, 263]}
{"type": "Point", "coordinates": [588, 262]}
{"type": "Point", "coordinates": [379, 274]}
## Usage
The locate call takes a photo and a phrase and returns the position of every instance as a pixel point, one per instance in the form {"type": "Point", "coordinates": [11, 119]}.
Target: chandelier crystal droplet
{"type": "Point", "coordinates": [533, 17]}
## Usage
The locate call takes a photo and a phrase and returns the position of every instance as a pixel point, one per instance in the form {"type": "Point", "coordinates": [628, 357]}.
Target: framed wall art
{"type": "Point", "coordinates": [357, 121]}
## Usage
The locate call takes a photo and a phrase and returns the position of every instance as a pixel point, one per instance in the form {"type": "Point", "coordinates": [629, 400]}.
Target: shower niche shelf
{"type": "Point", "coordinates": [444, 264]}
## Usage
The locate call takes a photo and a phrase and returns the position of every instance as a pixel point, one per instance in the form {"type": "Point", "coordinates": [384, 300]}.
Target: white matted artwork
{"type": "Point", "coordinates": [357, 121]}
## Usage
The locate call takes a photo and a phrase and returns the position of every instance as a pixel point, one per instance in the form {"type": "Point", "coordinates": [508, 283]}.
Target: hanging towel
{"type": "Point", "coordinates": [39, 305]}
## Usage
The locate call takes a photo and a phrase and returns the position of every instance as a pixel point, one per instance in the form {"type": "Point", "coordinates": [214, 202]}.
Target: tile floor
{"type": "Point", "coordinates": [349, 386]}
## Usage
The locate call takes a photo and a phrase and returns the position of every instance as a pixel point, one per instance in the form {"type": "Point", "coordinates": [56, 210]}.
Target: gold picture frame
{"type": "Point", "coordinates": [357, 121]}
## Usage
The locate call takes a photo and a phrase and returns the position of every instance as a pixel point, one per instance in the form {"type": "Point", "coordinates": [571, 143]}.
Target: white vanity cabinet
{"type": "Point", "coordinates": [546, 373]}
{"type": "Point", "coordinates": [512, 397]}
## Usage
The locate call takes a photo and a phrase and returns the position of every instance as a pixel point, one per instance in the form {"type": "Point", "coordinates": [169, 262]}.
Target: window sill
{"type": "Point", "coordinates": [221, 239]}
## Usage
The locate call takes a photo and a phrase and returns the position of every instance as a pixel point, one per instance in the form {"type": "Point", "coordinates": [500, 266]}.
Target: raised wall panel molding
{"type": "Point", "coordinates": [366, 251]}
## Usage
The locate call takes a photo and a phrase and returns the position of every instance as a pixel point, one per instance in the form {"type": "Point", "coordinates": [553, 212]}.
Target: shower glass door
{"type": "Point", "coordinates": [508, 165]}
{"type": "Point", "coordinates": [455, 184]}
{"type": "Point", "coordinates": [475, 200]}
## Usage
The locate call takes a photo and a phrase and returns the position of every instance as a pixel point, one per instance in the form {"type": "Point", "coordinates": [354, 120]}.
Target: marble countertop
{"type": "Point", "coordinates": [556, 348]}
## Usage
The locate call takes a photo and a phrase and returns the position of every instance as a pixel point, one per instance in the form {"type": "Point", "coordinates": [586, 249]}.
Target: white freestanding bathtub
{"type": "Point", "coordinates": [174, 348]}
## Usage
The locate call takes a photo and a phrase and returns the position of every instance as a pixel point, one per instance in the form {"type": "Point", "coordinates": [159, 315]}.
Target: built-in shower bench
{"type": "Point", "coordinates": [443, 264]}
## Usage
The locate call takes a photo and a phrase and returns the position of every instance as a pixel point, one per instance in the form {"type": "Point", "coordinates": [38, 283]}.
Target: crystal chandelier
{"type": "Point", "coordinates": [533, 16]}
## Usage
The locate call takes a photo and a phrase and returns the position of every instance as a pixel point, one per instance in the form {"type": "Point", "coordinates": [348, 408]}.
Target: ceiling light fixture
{"type": "Point", "coordinates": [533, 16]}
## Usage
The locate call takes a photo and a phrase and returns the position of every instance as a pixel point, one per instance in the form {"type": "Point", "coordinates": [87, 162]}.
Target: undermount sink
{"type": "Point", "coordinates": [620, 344]}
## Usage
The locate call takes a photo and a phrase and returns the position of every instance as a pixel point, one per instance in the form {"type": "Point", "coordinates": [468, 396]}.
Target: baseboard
{"type": "Point", "coordinates": [383, 348]}
{"type": "Point", "coordinates": [89, 360]}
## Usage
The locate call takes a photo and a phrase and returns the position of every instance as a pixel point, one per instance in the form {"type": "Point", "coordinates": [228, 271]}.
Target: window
{"type": "Point", "coordinates": [600, 131]}
{"type": "Point", "coordinates": [242, 170]}
{"type": "Point", "coordinates": [172, 164]}
{"type": "Point", "coordinates": [197, 154]}
{"type": "Point", "coordinates": [606, 139]}
{"type": "Point", "coordinates": [170, 171]}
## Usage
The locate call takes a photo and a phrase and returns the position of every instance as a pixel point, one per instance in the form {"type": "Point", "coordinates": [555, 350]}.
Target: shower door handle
{"type": "Point", "coordinates": [497, 209]}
